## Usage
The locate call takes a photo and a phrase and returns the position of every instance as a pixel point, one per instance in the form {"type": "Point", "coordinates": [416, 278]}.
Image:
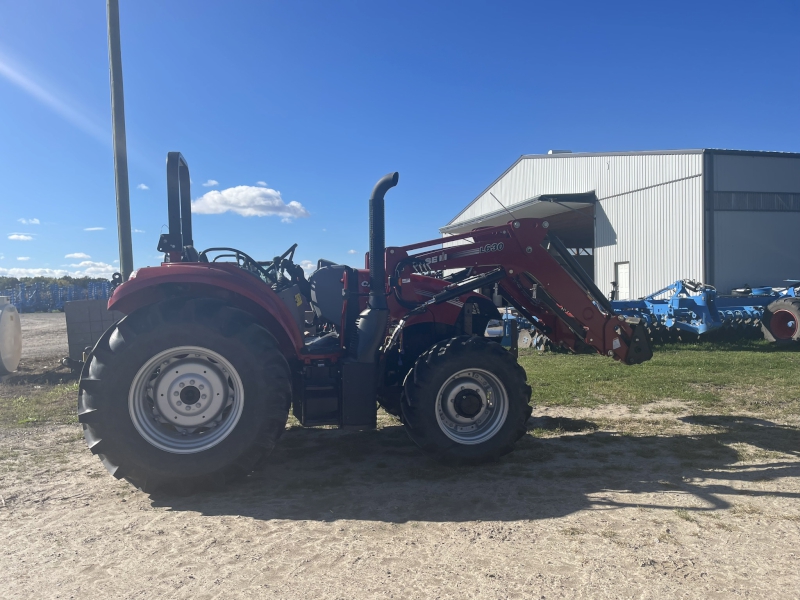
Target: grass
{"type": "Point", "coordinates": [39, 405]}
{"type": "Point", "coordinates": [750, 374]}
{"type": "Point", "coordinates": [684, 514]}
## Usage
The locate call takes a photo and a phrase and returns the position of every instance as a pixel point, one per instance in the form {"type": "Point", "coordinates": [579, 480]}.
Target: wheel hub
{"type": "Point", "coordinates": [186, 399]}
{"type": "Point", "coordinates": [472, 406]}
{"type": "Point", "coordinates": [190, 392]}
{"type": "Point", "coordinates": [468, 403]}
{"type": "Point", "coordinates": [783, 325]}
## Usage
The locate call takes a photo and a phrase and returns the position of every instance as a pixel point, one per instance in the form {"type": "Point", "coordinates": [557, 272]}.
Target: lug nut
{"type": "Point", "coordinates": [203, 396]}
{"type": "Point", "coordinates": [174, 393]}
{"type": "Point", "coordinates": [181, 384]}
{"type": "Point", "coordinates": [191, 382]}
{"type": "Point", "coordinates": [179, 403]}
{"type": "Point", "coordinates": [200, 386]}
{"type": "Point", "coordinates": [198, 405]}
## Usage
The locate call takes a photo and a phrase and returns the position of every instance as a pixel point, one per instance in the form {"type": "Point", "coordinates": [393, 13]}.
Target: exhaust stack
{"type": "Point", "coordinates": [360, 380]}
{"type": "Point", "coordinates": [377, 240]}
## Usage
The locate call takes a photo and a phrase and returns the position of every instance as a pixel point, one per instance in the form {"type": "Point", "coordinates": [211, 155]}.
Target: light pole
{"type": "Point", "coordinates": [120, 146]}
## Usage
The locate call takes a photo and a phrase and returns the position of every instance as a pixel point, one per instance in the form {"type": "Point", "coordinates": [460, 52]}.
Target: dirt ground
{"type": "Point", "coordinates": [594, 504]}
{"type": "Point", "coordinates": [44, 335]}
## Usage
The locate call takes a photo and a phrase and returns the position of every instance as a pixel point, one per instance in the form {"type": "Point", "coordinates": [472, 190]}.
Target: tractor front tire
{"type": "Point", "coordinates": [781, 321]}
{"type": "Point", "coordinates": [184, 395]}
{"type": "Point", "coordinates": [466, 401]}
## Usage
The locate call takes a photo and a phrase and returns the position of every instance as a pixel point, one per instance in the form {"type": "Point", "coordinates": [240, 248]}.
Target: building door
{"type": "Point", "coordinates": [622, 272]}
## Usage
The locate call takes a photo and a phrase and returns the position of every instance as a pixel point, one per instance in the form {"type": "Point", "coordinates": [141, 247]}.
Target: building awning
{"type": "Point", "coordinates": [539, 207]}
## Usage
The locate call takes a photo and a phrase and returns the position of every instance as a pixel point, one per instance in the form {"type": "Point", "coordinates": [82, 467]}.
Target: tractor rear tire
{"type": "Point", "coordinates": [466, 401]}
{"type": "Point", "coordinates": [781, 321]}
{"type": "Point", "coordinates": [146, 421]}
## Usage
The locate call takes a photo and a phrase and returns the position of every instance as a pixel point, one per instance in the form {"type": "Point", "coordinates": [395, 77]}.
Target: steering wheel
{"type": "Point", "coordinates": [279, 264]}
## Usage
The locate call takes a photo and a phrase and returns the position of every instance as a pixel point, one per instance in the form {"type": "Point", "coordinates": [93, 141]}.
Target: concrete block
{"type": "Point", "coordinates": [87, 320]}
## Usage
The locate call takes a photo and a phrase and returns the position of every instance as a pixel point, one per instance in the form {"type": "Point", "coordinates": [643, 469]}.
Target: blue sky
{"type": "Point", "coordinates": [317, 100]}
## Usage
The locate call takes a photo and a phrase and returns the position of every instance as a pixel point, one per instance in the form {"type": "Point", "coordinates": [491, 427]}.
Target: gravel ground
{"type": "Point", "coordinates": [44, 335]}
{"type": "Point", "coordinates": [363, 515]}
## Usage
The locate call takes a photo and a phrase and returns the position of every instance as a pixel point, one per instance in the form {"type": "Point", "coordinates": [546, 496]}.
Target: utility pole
{"type": "Point", "coordinates": [120, 145]}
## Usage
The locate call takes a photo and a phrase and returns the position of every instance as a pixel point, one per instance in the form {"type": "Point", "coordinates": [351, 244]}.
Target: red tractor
{"type": "Point", "coordinates": [193, 387]}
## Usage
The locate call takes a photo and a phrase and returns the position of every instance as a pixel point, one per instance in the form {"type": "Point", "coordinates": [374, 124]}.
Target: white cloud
{"type": "Point", "coordinates": [89, 268]}
{"type": "Point", "coordinates": [84, 269]}
{"type": "Point", "coordinates": [29, 221]}
{"type": "Point", "coordinates": [139, 231]}
{"type": "Point", "coordinates": [142, 186]}
{"type": "Point", "coordinates": [77, 255]}
{"type": "Point", "coordinates": [210, 183]}
{"type": "Point", "coordinates": [20, 237]}
{"type": "Point", "coordinates": [261, 183]}
{"type": "Point", "coordinates": [2, 256]}
{"type": "Point", "coordinates": [23, 258]}
{"type": "Point", "coordinates": [308, 266]}
{"type": "Point", "coordinates": [248, 201]}
{"type": "Point", "coordinates": [93, 228]}
{"type": "Point", "coordinates": [352, 252]}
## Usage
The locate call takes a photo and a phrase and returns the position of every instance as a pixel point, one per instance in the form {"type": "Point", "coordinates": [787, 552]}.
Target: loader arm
{"type": "Point", "coordinates": [536, 274]}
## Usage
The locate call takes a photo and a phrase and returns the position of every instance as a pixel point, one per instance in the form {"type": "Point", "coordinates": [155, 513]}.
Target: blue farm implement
{"type": "Point", "coordinates": [690, 309]}
{"type": "Point", "coordinates": [44, 297]}
{"type": "Point", "coordinates": [518, 332]}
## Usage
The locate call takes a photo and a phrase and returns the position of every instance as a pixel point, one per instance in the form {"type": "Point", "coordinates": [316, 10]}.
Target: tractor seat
{"type": "Point", "coordinates": [327, 298]}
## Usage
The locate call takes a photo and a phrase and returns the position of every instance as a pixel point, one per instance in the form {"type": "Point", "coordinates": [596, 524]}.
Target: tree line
{"type": "Point", "coordinates": [66, 281]}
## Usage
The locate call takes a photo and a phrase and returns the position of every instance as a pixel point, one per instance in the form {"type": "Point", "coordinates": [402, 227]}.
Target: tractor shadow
{"type": "Point", "coordinates": [380, 475]}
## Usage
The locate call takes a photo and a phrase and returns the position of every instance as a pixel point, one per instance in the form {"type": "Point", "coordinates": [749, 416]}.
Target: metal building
{"type": "Point", "coordinates": [646, 219]}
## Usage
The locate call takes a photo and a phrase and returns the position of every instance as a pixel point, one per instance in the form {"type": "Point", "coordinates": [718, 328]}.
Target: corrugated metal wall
{"type": "Point", "coordinates": [737, 173]}
{"type": "Point", "coordinates": [650, 210]}
{"type": "Point", "coordinates": [757, 247]}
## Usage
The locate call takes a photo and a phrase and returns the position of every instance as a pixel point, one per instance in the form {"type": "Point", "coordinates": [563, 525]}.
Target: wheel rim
{"type": "Point", "coordinates": [783, 325]}
{"type": "Point", "coordinates": [186, 399]}
{"type": "Point", "coordinates": [472, 406]}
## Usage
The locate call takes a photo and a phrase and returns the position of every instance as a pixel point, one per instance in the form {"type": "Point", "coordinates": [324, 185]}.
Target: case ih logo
{"type": "Point", "coordinates": [435, 259]}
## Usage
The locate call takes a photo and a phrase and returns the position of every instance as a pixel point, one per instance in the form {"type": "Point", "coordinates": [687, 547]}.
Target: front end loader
{"type": "Point", "coordinates": [193, 387]}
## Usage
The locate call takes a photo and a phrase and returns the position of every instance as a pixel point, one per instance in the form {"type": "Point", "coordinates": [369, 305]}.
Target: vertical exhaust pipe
{"type": "Point", "coordinates": [360, 377]}
{"type": "Point", "coordinates": [377, 240]}
{"type": "Point", "coordinates": [371, 323]}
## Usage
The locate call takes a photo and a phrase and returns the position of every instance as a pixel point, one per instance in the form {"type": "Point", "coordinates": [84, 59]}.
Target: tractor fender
{"type": "Point", "coordinates": [225, 281]}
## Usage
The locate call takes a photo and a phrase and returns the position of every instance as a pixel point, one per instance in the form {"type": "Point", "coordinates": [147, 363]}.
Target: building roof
{"type": "Point", "coordinates": [539, 207]}
{"type": "Point", "coordinates": [567, 154]}
{"type": "Point", "coordinates": [528, 205]}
